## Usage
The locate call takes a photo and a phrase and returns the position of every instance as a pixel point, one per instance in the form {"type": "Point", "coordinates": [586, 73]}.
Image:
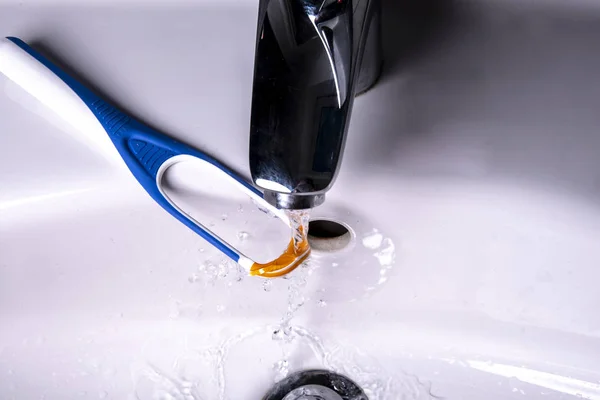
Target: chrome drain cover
{"type": "Point", "coordinates": [316, 385]}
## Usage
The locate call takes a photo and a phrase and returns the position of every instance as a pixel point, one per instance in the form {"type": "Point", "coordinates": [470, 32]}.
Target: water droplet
{"type": "Point", "coordinates": [372, 240]}
{"type": "Point", "coordinates": [211, 224]}
{"type": "Point", "coordinates": [335, 265]}
{"type": "Point", "coordinates": [267, 285]}
{"type": "Point", "coordinates": [322, 303]}
{"type": "Point", "coordinates": [240, 208]}
{"type": "Point", "coordinates": [201, 250]}
{"type": "Point", "coordinates": [387, 254]}
{"type": "Point", "coordinates": [224, 217]}
{"type": "Point", "coordinates": [284, 334]}
{"type": "Point", "coordinates": [221, 308]}
{"type": "Point", "coordinates": [277, 334]}
{"type": "Point", "coordinates": [243, 235]}
{"type": "Point", "coordinates": [282, 369]}
{"type": "Point", "coordinates": [209, 271]}
{"type": "Point", "coordinates": [194, 278]}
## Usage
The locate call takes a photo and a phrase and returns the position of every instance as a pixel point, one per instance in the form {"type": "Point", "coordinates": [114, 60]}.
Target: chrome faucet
{"type": "Point", "coordinates": [312, 57]}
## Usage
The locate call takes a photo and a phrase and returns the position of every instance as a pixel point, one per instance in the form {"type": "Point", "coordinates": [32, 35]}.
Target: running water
{"type": "Point", "coordinates": [283, 334]}
{"type": "Point", "coordinates": [203, 374]}
{"type": "Point", "coordinates": [299, 224]}
{"type": "Point", "coordinates": [297, 282]}
{"type": "Point", "coordinates": [288, 338]}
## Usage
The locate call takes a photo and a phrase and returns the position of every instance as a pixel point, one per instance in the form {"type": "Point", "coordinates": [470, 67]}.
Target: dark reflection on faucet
{"type": "Point", "coordinates": [308, 58]}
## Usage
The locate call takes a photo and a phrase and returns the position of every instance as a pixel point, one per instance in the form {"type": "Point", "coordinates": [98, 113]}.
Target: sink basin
{"type": "Point", "coordinates": [470, 185]}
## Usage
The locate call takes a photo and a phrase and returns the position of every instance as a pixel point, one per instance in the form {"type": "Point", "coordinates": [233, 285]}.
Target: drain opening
{"type": "Point", "coordinates": [316, 385]}
{"type": "Point", "coordinates": [328, 236]}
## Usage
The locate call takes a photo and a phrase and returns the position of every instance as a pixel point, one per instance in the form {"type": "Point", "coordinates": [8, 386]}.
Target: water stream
{"type": "Point", "coordinates": [291, 339]}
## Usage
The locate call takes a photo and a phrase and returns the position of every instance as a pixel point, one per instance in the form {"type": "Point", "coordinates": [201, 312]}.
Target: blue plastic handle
{"type": "Point", "coordinates": [143, 149]}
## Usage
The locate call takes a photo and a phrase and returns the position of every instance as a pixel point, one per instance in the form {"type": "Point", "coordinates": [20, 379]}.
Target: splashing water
{"type": "Point", "coordinates": [283, 334]}
{"type": "Point", "coordinates": [372, 240]}
{"type": "Point", "coordinates": [243, 235]}
{"type": "Point", "coordinates": [221, 268]}
{"type": "Point", "coordinates": [377, 382]}
{"type": "Point", "coordinates": [288, 338]}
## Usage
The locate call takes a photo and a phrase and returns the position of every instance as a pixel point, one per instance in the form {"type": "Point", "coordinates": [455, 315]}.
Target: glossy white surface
{"type": "Point", "coordinates": [475, 157]}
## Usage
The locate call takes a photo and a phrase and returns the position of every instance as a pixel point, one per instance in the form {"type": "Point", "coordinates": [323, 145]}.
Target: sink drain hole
{"type": "Point", "coordinates": [326, 229]}
{"type": "Point", "coordinates": [316, 385]}
{"type": "Point", "coordinates": [328, 236]}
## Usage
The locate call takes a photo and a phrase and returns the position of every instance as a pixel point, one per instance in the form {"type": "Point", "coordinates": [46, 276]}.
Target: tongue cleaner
{"type": "Point", "coordinates": [147, 153]}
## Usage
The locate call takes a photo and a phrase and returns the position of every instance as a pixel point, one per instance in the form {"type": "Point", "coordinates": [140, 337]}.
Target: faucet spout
{"type": "Point", "coordinates": [312, 56]}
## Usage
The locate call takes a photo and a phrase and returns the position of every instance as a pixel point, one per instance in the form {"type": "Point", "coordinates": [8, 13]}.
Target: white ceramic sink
{"type": "Point", "coordinates": [475, 158]}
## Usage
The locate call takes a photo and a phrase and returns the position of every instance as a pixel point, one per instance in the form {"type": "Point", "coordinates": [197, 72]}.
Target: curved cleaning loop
{"type": "Point", "coordinates": [296, 252]}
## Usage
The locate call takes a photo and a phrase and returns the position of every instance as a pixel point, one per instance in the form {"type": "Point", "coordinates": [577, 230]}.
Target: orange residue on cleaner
{"type": "Point", "coordinates": [296, 252]}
